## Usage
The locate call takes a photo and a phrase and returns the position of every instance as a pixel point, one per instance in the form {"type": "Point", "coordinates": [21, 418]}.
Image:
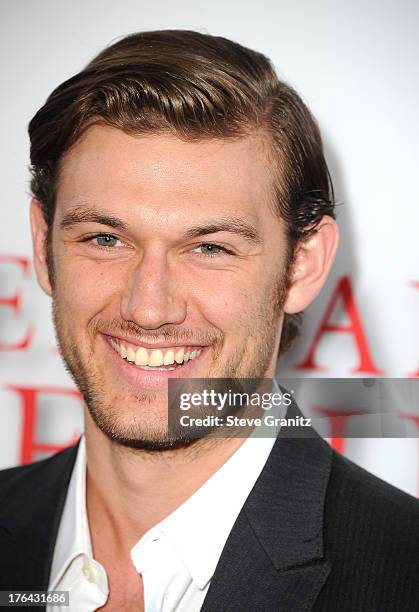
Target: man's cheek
{"type": "Point", "coordinates": [85, 288]}
{"type": "Point", "coordinates": [220, 296]}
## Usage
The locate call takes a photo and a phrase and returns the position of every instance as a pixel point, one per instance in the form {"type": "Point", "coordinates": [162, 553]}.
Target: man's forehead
{"type": "Point", "coordinates": [166, 176]}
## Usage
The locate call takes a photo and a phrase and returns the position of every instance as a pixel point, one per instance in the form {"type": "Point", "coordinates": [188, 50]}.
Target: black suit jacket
{"type": "Point", "coordinates": [317, 533]}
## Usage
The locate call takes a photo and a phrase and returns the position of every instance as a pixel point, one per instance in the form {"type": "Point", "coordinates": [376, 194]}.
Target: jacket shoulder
{"type": "Point", "coordinates": [371, 538]}
{"type": "Point", "coordinates": [31, 502]}
{"type": "Point", "coordinates": [31, 473]}
{"type": "Point", "coordinates": [355, 491]}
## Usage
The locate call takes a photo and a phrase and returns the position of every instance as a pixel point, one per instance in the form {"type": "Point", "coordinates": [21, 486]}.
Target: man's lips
{"type": "Point", "coordinates": [155, 356]}
{"type": "Point", "coordinates": [152, 377]}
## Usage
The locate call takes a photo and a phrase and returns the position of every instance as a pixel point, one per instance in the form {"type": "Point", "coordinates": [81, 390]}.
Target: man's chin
{"type": "Point", "coordinates": [148, 434]}
{"type": "Point", "coordinates": [133, 431]}
{"type": "Point", "coordinates": [152, 444]}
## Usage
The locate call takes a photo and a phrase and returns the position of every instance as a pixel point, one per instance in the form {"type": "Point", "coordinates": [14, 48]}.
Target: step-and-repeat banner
{"type": "Point", "coordinates": [355, 65]}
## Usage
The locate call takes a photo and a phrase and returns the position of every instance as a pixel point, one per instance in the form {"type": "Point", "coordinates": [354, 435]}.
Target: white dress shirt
{"type": "Point", "coordinates": [177, 557]}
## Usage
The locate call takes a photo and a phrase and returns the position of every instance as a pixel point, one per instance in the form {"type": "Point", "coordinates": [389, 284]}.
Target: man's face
{"type": "Point", "coordinates": [168, 262]}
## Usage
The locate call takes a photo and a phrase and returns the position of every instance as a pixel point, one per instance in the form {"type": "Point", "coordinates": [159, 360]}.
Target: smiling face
{"type": "Point", "coordinates": [168, 261]}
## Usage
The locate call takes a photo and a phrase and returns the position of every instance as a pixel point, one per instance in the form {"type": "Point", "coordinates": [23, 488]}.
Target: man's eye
{"type": "Point", "coordinates": [210, 249]}
{"type": "Point", "coordinates": [105, 240]}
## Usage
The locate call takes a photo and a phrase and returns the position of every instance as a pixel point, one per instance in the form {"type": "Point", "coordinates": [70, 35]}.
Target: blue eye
{"type": "Point", "coordinates": [210, 249]}
{"type": "Point", "coordinates": [106, 240]}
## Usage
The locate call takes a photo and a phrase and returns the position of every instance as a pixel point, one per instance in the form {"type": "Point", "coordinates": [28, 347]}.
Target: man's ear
{"type": "Point", "coordinates": [39, 239]}
{"type": "Point", "coordinates": [312, 262]}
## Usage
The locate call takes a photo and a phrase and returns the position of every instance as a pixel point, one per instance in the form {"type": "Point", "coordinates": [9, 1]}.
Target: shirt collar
{"type": "Point", "coordinates": [199, 528]}
{"type": "Point", "coordinates": [73, 535]}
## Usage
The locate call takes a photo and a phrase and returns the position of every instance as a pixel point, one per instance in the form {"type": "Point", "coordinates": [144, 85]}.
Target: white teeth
{"type": "Point", "coordinates": [156, 358]}
{"type": "Point", "coordinates": [130, 354]}
{"type": "Point", "coordinates": [141, 357]}
{"type": "Point", "coordinates": [169, 357]}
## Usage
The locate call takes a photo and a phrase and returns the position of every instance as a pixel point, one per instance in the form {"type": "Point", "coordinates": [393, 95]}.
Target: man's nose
{"type": "Point", "coordinates": [153, 297]}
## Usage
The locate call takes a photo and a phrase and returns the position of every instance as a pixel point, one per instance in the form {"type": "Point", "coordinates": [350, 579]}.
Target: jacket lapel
{"type": "Point", "coordinates": [30, 514]}
{"type": "Point", "coordinates": [273, 558]}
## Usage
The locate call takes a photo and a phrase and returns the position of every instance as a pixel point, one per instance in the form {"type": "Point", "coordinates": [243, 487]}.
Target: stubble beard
{"type": "Point", "coordinates": [141, 434]}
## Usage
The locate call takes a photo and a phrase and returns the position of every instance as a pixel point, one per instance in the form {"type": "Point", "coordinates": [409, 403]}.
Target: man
{"type": "Point", "coordinates": [182, 216]}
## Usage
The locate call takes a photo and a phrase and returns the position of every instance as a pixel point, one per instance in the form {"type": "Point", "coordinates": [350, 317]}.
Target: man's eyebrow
{"type": "Point", "coordinates": [233, 225]}
{"type": "Point", "coordinates": [83, 214]}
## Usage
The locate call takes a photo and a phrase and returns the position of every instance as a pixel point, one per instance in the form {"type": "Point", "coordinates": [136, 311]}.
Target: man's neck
{"type": "Point", "coordinates": [129, 491]}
